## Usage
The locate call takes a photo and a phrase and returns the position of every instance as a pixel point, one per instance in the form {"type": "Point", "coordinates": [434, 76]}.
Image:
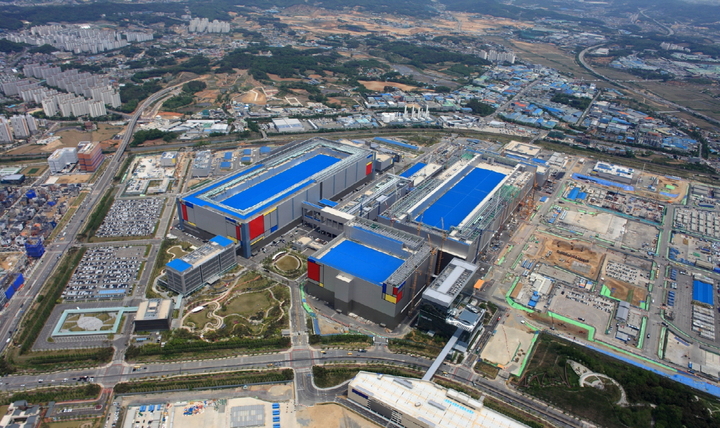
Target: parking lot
{"type": "Point", "coordinates": [131, 217]}
{"type": "Point", "coordinates": [105, 273]}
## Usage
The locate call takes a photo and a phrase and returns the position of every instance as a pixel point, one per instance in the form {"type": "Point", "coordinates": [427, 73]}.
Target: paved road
{"type": "Point", "coordinates": [43, 268]}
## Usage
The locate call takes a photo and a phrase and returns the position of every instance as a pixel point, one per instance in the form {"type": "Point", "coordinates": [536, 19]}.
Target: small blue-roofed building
{"type": "Point", "coordinates": [370, 270]}
{"type": "Point", "coordinates": [204, 265]}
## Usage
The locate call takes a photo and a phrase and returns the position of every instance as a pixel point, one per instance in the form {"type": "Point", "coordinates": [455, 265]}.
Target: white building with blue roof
{"type": "Point", "coordinates": [203, 266]}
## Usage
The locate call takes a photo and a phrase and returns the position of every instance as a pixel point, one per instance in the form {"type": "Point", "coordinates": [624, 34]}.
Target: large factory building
{"type": "Point", "coordinates": [371, 270]}
{"type": "Point", "coordinates": [262, 201]}
{"type": "Point", "coordinates": [461, 206]}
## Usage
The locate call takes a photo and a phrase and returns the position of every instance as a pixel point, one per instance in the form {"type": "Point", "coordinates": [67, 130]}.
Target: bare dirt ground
{"type": "Point", "coordinates": [73, 178]}
{"type": "Point", "coordinates": [574, 256]}
{"type": "Point", "coordinates": [207, 96]}
{"type": "Point", "coordinates": [379, 86]}
{"type": "Point", "coordinates": [621, 290]}
{"type": "Point", "coordinates": [7, 260]}
{"type": "Point", "coordinates": [254, 96]}
{"type": "Point", "coordinates": [330, 416]}
{"type": "Point", "coordinates": [70, 138]}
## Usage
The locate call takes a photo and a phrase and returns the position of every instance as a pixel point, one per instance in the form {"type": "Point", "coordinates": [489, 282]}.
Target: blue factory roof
{"type": "Point", "coordinates": [361, 261]}
{"type": "Point", "coordinates": [225, 165]}
{"type": "Point", "coordinates": [413, 169]}
{"type": "Point", "coordinates": [703, 292]}
{"type": "Point", "coordinates": [246, 159]}
{"type": "Point", "coordinates": [179, 265]}
{"type": "Point", "coordinates": [276, 184]}
{"type": "Point", "coordinates": [457, 203]}
{"type": "Point", "coordinates": [228, 155]}
{"type": "Point", "coordinates": [247, 151]}
{"type": "Point", "coordinates": [222, 241]}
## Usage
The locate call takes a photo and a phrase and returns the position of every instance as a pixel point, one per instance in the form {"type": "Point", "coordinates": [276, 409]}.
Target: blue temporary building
{"type": "Point", "coordinates": [247, 151]}
{"type": "Point", "coordinates": [245, 159]}
{"type": "Point", "coordinates": [228, 156]}
{"type": "Point", "coordinates": [703, 292]}
{"type": "Point", "coordinates": [225, 165]}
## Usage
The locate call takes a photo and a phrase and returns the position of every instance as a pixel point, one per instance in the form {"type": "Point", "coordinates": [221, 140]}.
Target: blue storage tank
{"type": "Point", "coordinates": [31, 194]}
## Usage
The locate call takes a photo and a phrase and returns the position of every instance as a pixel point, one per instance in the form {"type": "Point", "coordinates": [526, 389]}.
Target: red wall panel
{"type": "Point", "coordinates": [237, 232]}
{"type": "Point", "coordinates": [368, 168]}
{"type": "Point", "coordinates": [257, 227]}
{"type": "Point", "coordinates": [184, 212]}
{"type": "Point", "coordinates": [313, 271]}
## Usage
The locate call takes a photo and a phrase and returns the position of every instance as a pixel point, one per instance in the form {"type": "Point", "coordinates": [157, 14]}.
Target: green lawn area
{"type": "Point", "coordinates": [199, 319]}
{"type": "Point", "coordinates": [288, 263]}
{"type": "Point", "coordinates": [248, 304]}
{"type": "Point", "coordinates": [177, 251]}
{"type": "Point", "coordinates": [73, 424]}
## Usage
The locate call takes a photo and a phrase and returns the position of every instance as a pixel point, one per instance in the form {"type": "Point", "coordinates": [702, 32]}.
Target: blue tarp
{"type": "Point", "coordinates": [532, 303]}
{"type": "Point", "coordinates": [602, 182]}
{"type": "Point", "coordinates": [413, 169]}
{"type": "Point", "coordinates": [452, 207]}
{"type": "Point", "coordinates": [113, 291]}
{"type": "Point", "coordinates": [361, 261]}
{"type": "Point", "coordinates": [327, 202]}
{"type": "Point", "coordinates": [395, 143]}
{"type": "Point", "coordinates": [703, 292]}
{"type": "Point", "coordinates": [573, 193]}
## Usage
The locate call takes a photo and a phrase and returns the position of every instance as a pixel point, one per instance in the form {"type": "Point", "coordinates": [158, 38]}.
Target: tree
{"type": "Point", "coordinates": [480, 108]}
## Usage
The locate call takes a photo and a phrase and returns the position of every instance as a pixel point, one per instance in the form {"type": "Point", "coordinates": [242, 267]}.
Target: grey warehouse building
{"type": "Point", "coordinates": [203, 266]}
{"type": "Point", "coordinates": [255, 204]}
{"type": "Point", "coordinates": [371, 270]}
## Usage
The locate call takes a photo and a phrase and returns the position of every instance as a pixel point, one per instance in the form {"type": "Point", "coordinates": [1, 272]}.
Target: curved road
{"type": "Point", "coordinates": [640, 92]}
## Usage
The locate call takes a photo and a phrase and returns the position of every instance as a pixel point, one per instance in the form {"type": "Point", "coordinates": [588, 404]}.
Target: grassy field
{"type": "Point", "coordinates": [83, 423]}
{"type": "Point", "coordinates": [551, 56]}
{"type": "Point", "coordinates": [248, 304]}
{"type": "Point", "coordinates": [288, 263]}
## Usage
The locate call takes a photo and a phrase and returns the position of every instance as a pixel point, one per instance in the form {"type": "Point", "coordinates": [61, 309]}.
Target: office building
{"type": "Point", "coordinates": [203, 266]}
{"type": "Point", "coordinates": [62, 158]}
{"type": "Point", "coordinates": [90, 156]}
{"type": "Point", "coordinates": [168, 159]}
{"type": "Point", "coordinates": [154, 314]}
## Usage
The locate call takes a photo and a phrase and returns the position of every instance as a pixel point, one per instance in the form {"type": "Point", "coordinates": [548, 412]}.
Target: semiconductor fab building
{"type": "Point", "coordinates": [460, 207]}
{"type": "Point", "coordinates": [371, 270]}
{"type": "Point", "coordinates": [262, 201]}
{"type": "Point", "coordinates": [414, 403]}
